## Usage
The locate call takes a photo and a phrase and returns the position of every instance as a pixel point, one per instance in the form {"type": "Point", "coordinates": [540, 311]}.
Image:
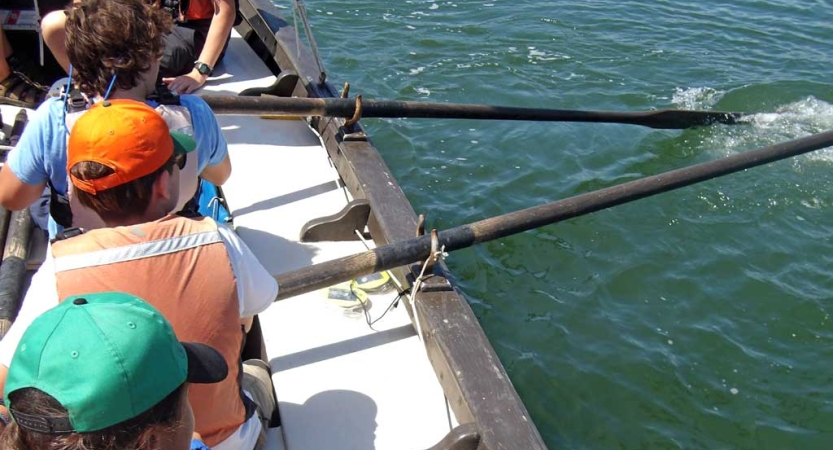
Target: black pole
{"type": "Point", "coordinates": [346, 107]}
{"type": "Point", "coordinates": [13, 268]}
{"type": "Point", "coordinates": [418, 249]}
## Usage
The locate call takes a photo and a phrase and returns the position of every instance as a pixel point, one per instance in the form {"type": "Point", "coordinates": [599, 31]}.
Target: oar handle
{"type": "Point", "coordinates": [418, 249]}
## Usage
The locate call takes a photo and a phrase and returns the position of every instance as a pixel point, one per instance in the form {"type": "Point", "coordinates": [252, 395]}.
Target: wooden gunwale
{"type": "Point", "coordinates": [473, 379]}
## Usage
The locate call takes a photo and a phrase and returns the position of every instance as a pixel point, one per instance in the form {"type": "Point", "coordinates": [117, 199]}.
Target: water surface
{"type": "Point", "coordinates": [694, 319]}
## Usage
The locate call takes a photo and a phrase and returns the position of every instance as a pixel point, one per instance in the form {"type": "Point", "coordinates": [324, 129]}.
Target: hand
{"type": "Point", "coordinates": [186, 84]}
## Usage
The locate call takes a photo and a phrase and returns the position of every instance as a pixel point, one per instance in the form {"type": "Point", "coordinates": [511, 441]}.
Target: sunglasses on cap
{"type": "Point", "coordinates": [180, 160]}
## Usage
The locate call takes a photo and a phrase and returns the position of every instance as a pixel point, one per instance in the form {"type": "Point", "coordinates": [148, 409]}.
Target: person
{"type": "Point", "coordinates": [16, 85]}
{"type": "Point", "coordinates": [106, 48]}
{"type": "Point", "coordinates": [104, 371]}
{"type": "Point", "coordinates": [195, 45]}
{"type": "Point", "coordinates": [124, 164]}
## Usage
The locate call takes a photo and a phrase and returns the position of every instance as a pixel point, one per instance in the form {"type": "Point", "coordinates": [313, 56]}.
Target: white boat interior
{"type": "Point", "coordinates": [339, 383]}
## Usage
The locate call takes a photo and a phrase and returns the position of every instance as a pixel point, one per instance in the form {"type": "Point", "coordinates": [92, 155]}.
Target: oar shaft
{"type": "Point", "coordinates": [346, 107]}
{"type": "Point", "coordinates": [413, 250]}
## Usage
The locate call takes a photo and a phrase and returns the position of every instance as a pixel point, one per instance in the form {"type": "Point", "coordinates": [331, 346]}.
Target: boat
{"type": "Point", "coordinates": [311, 189]}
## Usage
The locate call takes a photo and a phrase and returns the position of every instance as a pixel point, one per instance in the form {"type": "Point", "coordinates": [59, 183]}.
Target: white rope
{"type": "Point", "coordinates": [436, 257]}
{"type": "Point", "coordinates": [361, 238]}
{"type": "Point", "coordinates": [302, 12]}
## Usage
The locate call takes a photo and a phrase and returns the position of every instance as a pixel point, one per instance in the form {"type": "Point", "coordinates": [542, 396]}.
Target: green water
{"type": "Point", "coordinates": [694, 319]}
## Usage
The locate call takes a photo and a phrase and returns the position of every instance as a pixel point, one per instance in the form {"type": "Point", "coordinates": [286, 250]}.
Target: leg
{"type": "Point", "coordinates": [180, 53]}
{"type": "Point", "coordinates": [55, 35]}
{"type": "Point", "coordinates": [6, 51]}
{"type": "Point", "coordinates": [257, 381]}
{"type": "Point", "coordinates": [15, 88]}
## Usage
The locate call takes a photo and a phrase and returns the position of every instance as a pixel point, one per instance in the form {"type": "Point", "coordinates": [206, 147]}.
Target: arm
{"type": "Point", "coordinates": [25, 173]}
{"type": "Point", "coordinates": [211, 143]}
{"type": "Point", "coordinates": [218, 34]}
{"type": "Point", "coordinates": [217, 174]}
{"type": "Point", "coordinates": [15, 194]}
{"type": "Point", "coordinates": [256, 288]}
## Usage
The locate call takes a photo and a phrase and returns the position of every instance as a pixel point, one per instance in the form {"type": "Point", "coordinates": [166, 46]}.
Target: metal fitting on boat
{"type": "Point", "coordinates": [436, 251]}
{"type": "Point", "coordinates": [420, 228]}
{"type": "Point", "coordinates": [357, 114]}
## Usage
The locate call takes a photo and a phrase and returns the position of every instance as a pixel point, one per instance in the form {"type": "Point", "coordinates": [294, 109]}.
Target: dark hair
{"type": "Point", "coordinates": [130, 434]}
{"type": "Point", "coordinates": [127, 200]}
{"type": "Point", "coordinates": [114, 37]}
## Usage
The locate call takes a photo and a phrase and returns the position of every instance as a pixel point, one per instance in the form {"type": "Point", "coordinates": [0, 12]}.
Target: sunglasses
{"type": "Point", "coordinates": [180, 160]}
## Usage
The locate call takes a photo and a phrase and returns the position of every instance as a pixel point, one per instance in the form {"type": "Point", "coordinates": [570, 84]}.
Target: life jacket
{"type": "Point", "coordinates": [68, 212]}
{"type": "Point", "coordinates": [195, 10]}
{"type": "Point", "coordinates": [181, 267]}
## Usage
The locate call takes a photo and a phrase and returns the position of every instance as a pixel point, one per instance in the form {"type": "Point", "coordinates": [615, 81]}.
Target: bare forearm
{"type": "Point", "coordinates": [218, 32]}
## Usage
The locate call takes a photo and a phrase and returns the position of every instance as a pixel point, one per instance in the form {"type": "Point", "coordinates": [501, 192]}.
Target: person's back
{"type": "Point", "coordinates": [188, 257]}
{"type": "Point", "coordinates": [100, 38]}
{"type": "Point", "coordinates": [193, 48]}
{"type": "Point", "coordinates": [124, 164]}
{"type": "Point", "coordinates": [106, 372]}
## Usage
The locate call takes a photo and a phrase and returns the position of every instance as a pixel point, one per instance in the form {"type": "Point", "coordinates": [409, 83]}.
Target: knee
{"type": "Point", "coordinates": [53, 28]}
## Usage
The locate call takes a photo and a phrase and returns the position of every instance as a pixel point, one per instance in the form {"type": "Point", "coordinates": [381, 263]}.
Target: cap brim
{"type": "Point", "coordinates": [182, 143]}
{"type": "Point", "coordinates": [205, 365]}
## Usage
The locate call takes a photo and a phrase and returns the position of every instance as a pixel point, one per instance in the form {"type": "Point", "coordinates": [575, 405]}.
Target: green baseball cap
{"type": "Point", "coordinates": [107, 358]}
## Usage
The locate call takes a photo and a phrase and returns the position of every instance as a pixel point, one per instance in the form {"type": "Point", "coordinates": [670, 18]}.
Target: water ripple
{"type": "Point", "coordinates": [693, 319]}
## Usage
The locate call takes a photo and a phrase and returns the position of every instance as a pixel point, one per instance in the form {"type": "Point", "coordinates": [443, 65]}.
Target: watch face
{"type": "Point", "coordinates": [203, 68]}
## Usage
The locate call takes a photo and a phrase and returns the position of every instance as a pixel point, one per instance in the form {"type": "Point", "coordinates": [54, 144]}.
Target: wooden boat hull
{"type": "Point", "coordinates": [474, 381]}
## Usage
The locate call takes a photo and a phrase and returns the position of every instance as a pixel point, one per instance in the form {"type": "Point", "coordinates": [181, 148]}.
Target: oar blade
{"type": "Point", "coordinates": [674, 119]}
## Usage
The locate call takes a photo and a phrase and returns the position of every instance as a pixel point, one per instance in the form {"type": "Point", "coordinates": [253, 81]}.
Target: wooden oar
{"type": "Point", "coordinates": [346, 107]}
{"type": "Point", "coordinates": [418, 249]}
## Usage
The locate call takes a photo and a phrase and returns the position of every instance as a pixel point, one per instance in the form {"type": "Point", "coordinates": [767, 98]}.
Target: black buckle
{"type": "Point", "coordinates": [76, 100]}
{"type": "Point", "coordinates": [67, 234]}
{"type": "Point", "coordinates": [44, 425]}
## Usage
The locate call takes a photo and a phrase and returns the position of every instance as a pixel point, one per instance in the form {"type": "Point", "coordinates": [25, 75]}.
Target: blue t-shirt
{"type": "Point", "coordinates": [197, 444]}
{"type": "Point", "coordinates": [41, 153]}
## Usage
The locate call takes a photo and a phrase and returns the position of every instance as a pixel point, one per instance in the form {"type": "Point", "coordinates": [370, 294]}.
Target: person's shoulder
{"type": "Point", "coordinates": [45, 132]}
{"type": "Point", "coordinates": [195, 104]}
{"type": "Point", "coordinates": [52, 104]}
{"type": "Point", "coordinates": [51, 109]}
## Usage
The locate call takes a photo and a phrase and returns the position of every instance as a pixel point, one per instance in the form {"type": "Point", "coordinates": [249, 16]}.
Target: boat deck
{"type": "Point", "coordinates": [340, 384]}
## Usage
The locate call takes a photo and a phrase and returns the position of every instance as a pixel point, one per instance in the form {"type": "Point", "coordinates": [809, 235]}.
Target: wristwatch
{"type": "Point", "coordinates": [203, 68]}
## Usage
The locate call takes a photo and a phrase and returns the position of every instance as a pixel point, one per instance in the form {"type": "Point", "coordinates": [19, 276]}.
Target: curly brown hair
{"type": "Point", "coordinates": [114, 37]}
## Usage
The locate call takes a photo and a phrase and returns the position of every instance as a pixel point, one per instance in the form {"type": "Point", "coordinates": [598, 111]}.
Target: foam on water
{"type": "Point", "coordinates": [696, 98]}
{"type": "Point", "coordinates": [790, 121]}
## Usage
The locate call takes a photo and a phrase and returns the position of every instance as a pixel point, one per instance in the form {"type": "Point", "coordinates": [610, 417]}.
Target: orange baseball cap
{"type": "Point", "coordinates": [127, 136]}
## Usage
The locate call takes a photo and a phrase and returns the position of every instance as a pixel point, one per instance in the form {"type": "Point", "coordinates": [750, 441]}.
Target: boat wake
{"type": "Point", "coordinates": [789, 121]}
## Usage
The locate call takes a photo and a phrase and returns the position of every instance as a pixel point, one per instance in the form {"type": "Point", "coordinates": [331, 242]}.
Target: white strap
{"type": "Point", "coordinates": [135, 251]}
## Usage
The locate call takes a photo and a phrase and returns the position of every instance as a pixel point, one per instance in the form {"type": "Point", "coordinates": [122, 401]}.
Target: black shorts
{"type": "Point", "coordinates": [182, 48]}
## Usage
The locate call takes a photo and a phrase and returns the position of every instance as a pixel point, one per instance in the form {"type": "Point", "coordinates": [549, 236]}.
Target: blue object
{"type": "Point", "coordinates": [197, 444]}
{"type": "Point", "coordinates": [211, 204]}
